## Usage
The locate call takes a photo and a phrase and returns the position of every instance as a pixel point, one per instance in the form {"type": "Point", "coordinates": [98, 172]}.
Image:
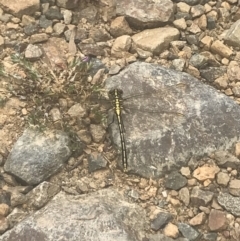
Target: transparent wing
{"type": "Point", "coordinates": [167, 100]}
{"type": "Point", "coordinates": [164, 101]}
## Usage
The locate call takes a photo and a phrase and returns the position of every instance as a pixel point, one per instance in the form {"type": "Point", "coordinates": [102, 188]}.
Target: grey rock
{"type": "Point", "coordinates": [200, 197]}
{"type": "Point", "coordinates": [16, 216]}
{"type": "Point", "coordinates": [223, 178]}
{"type": "Point", "coordinates": [18, 199]}
{"type": "Point", "coordinates": [188, 232]}
{"type": "Point", "coordinates": [77, 110]}
{"type": "Point", "coordinates": [180, 15]}
{"type": "Point", "coordinates": [9, 179]}
{"type": "Point", "coordinates": [224, 14]}
{"type": "Point", "coordinates": [96, 64]}
{"type": "Point", "coordinates": [8, 43]}
{"type": "Point", "coordinates": [143, 54]}
{"type": "Point", "coordinates": [236, 91]}
{"type": "Point", "coordinates": [232, 36]}
{"type": "Point", "coordinates": [175, 181]}
{"type": "Point", "coordinates": [98, 132]}
{"type": "Point", "coordinates": [31, 29]}
{"type": "Point", "coordinates": [212, 73]}
{"type": "Point", "coordinates": [226, 159]}
{"type": "Point", "coordinates": [5, 197]}
{"type": "Point", "coordinates": [41, 194]}
{"type": "Point", "coordinates": [178, 64]}
{"type": "Point", "coordinates": [67, 15]}
{"type": "Point", "coordinates": [90, 13]}
{"type": "Point", "coordinates": [1, 160]}
{"type": "Point", "coordinates": [211, 59]}
{"type": "Point", "coordinates": [173, 117]}
{"type": "Point", "coordinates": [5, 17]}
{"type": "Point", "coordinates": [184, 196]}
{"type": "Point", "coordinates": [209, 237]}
{"type": "Point", "coordinates": [211, 23]}
{"type": "Point", "coordinates": [68, 4]}
{"type": "Point", "coordinates": [234, 187]}
{"type": "Point", "coordinates": [190, 2]}
{"type": "Point", "coordinates": [157, 237]}
{"type": "Point", "coordinates": [144, 15]}
{"type": "Point", "coordinates": [59, 28]}
{"type": "Point", "coordinates": [193, 163]}
{"type": "Point", "coordinates": [103, 215]}
{"type": "Point", "coordinates": [20, 189]}
{"type": "Point", "coordinates": [91, 49]}
{"type": "Point", "coordinates": [99, 35]}
{"type": "Point", "coordinates": [36, 155]}
{"type": "Point", "coordinates": [44, 22]}
{"type": "Point", "coordinates": [162, 203]}
{"type": "Point", "coordinates": [81, 34]}
{"type": "Point", "coordinates": [133, 194]}
{"type": "Point", "coordinates": [162, 237]}
{"type": "Point", "coordinates": [26, 20]}
{"type": "Point", "coordinates": [44, 7]}
{"type": "Point", "coordinates": [82, 187]}
{"type": "Point", "coordinates": [85, 136]}
{"type": "Point", "coordinates": [33, 52]}
{"type": "Point", "coordinates": [161, 220]}
{"type": "Point", "coordinates": [114, 69]}
{"type": "Point", "coordinates": [198, 61]}
{"type": "Point", "coordinates": [38, 38]}
{"type": "Point", "coordinates": [197, 10]}
{"type": "Point", "coordinates": [53, 13]}
{"type": "Point", "coordinates": [2, 183]}
{"type": "Point", "coordinates": [230, 203]}
{"type": "Point", "coordinates": [192, 39]}
{"type": "Point", "coordinates": [4, 225]}
{"type": "Point", "coordinates": [55, 114]}
{"type": "Point", "coordinates": [96, 162]}
{"type": "Point", "coordinates": [235, 13]}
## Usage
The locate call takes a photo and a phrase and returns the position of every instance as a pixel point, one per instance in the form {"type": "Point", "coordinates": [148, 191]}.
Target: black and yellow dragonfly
{"type": "Point", "coordinates": [118, 103]}
{"type": "Point", "coordinates": [133, 110]}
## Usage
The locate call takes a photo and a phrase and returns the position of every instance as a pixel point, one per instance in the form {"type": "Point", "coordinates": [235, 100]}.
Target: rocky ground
{"type": "Point", "coordinates": [56, 55]}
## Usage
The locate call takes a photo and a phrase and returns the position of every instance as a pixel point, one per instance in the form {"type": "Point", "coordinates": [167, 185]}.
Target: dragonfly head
{"type": "Point", "coordinates": [113, 93]}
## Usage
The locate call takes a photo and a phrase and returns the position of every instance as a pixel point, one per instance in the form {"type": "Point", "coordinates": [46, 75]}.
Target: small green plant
{"type": "Point", "coordinates": [2, 71]}
{"type": "Point", "coordinates": [42, 88]}
{"type": "Point", "coordinates": [27, 66]}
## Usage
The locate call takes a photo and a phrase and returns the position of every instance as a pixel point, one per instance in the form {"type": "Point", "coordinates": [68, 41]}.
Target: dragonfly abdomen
{"type": "Point", "coordinates": [116, 97]}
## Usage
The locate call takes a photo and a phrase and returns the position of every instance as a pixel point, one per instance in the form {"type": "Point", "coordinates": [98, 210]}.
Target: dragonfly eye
{"type": "Point", "coordinates": [115, 92]}
{"type": "Point", "coordinates": [111, 93]}
{"type": "Point", "coordinates": [119, 92]}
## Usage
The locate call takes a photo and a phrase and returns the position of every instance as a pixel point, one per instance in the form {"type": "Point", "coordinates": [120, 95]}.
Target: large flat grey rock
{"type": "Point", "coordinates": [100, 216]}
{"type": "Point", "coordinates": [197, 118]}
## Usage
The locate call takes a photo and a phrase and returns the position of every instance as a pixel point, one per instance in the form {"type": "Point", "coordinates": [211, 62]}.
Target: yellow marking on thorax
{"type": "Point", "coordinates": [117, 104]}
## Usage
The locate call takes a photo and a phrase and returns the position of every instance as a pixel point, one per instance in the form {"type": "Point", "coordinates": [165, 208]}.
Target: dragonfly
{"type": "Point", "coordinates": [162, 103]}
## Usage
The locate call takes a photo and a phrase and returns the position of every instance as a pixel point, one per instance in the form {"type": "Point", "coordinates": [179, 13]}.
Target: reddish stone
{"type": "Point", "coordinates": [217, 220]}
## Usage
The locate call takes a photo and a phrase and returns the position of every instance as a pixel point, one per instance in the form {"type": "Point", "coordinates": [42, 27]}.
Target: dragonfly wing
{"type": "Point", "coordinates": [164, 101]}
